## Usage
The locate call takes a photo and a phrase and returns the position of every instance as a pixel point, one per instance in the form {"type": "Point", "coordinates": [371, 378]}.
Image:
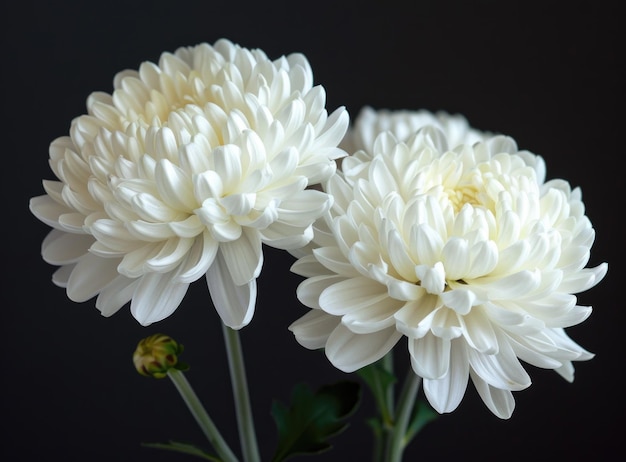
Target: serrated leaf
{"type": "Point", "coordinates": [184, 448]}
{"type": "Point", "coordinates": [312, 418]}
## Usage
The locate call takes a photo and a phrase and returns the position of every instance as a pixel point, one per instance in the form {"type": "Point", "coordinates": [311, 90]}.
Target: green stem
{"type": "Point", "coordinates": [201, 416]}
{"type": "Point", "coordinates": [385, 401]}
{"type": "Point", "coordinates": [406, 403]}
{"type": "Point", "coordinates": [245, 421]}
{"type": "Point", "coordinates": [389, 394]}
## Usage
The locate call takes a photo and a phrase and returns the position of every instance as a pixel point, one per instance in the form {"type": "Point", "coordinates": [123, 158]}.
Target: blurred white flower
{"type": "Point", "coordinates": [402, 123]}
{"type": "Point", "coordinates": [465, 251]}
{"type": "Point", "coordinates": [185, 170]}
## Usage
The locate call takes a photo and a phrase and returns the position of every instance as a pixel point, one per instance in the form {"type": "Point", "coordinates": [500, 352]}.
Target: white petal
{"type": "Point", "coordinates": [567, 346]}
{"type": "Point", "coordinates": [115, 295]}
{"type": "Point", "coordinates": [207, 185]}
{"type": "Point", "coordinates": [460, 300]}
{"type": "Point", "coordinates": [335, 128]}
{"type": "Point", "coordinates": [90, 276]}
{"type": "Point", "coordinates": [199, 258]}
{"type": "Point", "coordinates": [61, 276]}
{"type": "Point", "coordinates": [113, 235]}
{"type": "Point", "coordinates": [524, 350]}
{"type": "Point", "coordinates": [212, 212]}
{"type": "Point", "coordinates": [510, 259]}
{"type": "Point", "coordinates": [478, 332]}
{"type": "Point", "coordinates": [243, 257]}
{"type": "Point", "coordinates": [286, 237]}
{"type": "Point", "coordinates": [133, 263]}
{"type": "Point", "coordinates": [189, 227]}
{"type": "Point", "coordinates": [54, 190]}
{"type": "Point", "coordinates": [566, 371]}
{"type": "Point", "coordinates": [304, 207]}
{"type": "Point", "coordinates": [234, 303]}
{"type": "Point", "coordinates": [333, 259]}
{"type": "Point", "coordinates": [348, 351]}
{"type": "Point", "coordinates": [48, 211]}
{"type": "Point", "coordinates": [400, 259]}
{"type": "Point", "coordinates": [413, 320]}
{"type": "Point", "coordinates": [455, 255]}
{"type": "Point", "coordinates": [150, 208]}
{"type": "Point", "coordinates": [445, 324]}
{"type": "Point", "coordinates": [430, 356]}
{"type": "Point", "coordinates": [484, 258]}
{"type": "Point", "coordinates": [428, 243]}
{"type": "Point", "coordinates": [432, 278]}
{"type": "Point", "coordinates": [500, 402]}
{"type": "Point", "coordinates": [403, 290]}
{"type": "Point", "coordinates": [313, 329]}
{"type": "Point", "coordinates": [583, 280]}
{"type": "Point", "coordinates": [308, 266]}
{"type": "Point", "coordinates": [193, 157]}
{"type": "Point", "coordinates": [238, 204]}
{"type": "Point", "coordinates": [171, 254]}
{"type": "Point", "coordinates": [309, 290]}
{"type": "Point", "coordinates": [60, 248]}
{"type": "Point", "coordinates": [511, 287]}
{"type": "Point", "coordinates": [291, 116]}
{"type": "Point", "coordinates": [508, 229]}
{"type": "Point", "coordinates": [445, 394]}
{"type": "Point", "coordinates": [372, 318]}
{"type": "Point", "coordinates": [156, 297]}
{"type": "Point", "coordinates": [174, 186]}
{"type": "Point", "coordinates": [227, 161]}
{"type": "Point", "coordinates": [502, 370]}
{"type": "Point", "coordinates": [284, 164]}
{"type": "Point", "coordinates": [352, 294]}
{"type": "Point", "coordinates": [254, 161]}
{"type": "Point", "coordinates": [147, 231]}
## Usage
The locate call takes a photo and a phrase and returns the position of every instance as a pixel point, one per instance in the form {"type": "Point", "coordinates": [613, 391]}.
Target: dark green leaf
{"type": "Point", "coordinates": [184, 448]}
{"type": "Point", "coordinates": [312, 418]}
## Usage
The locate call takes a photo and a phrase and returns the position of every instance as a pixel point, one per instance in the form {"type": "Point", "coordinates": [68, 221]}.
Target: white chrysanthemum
{"type": "Point", "coordinates": [402, 123]}
{"type": "Point", "coordinates": [466, 252]}
{"type": "Point", "coordinates": [360, 137]}
{"type": "Point", "coordinates": [185, 170]}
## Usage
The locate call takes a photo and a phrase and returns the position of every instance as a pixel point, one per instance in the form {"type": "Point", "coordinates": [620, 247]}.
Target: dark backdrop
{"type": "Point", "coordinates": [547, 74]}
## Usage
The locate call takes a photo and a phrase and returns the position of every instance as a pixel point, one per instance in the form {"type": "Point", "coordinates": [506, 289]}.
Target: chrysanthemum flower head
{"type": "Point", "coordinates": [468, 253]}
{"type": "Point", "coordinates": [402, 123]}
{"type": "Point", "coordinates": [185, 170]}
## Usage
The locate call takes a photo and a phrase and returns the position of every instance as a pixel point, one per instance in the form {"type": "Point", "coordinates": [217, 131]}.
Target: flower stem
{"type": "Point", "coordinates": [385, 402]}
{"type": "Point", "coordinates": [389, 394]}
{"type": "Point", "coordinates": [397, 441]}
{"type": "Point", "coordinates": [245, 421]}
{"type": "Point", "coordinates": [201, 416]}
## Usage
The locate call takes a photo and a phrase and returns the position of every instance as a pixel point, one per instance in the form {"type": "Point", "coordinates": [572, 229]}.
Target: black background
{"type": "Point", "coordinates": [546, 74]}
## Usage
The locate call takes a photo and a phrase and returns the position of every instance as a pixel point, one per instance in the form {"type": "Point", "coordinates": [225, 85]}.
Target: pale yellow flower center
{"type": "Point", "coordinates": [459, 195]}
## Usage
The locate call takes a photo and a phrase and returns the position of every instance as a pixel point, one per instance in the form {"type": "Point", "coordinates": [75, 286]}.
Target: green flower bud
{"type": "Point", "coordinates": [157, 354]}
